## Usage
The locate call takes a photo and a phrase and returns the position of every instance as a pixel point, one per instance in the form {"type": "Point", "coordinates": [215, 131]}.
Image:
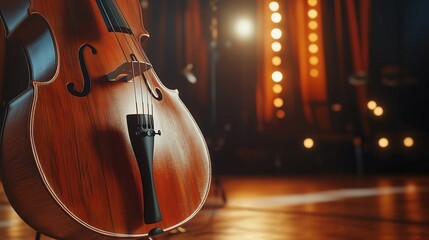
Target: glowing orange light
{"type": "Point", "coordinates": [378, 111]}
{"type": "Point", "coordinates": [274, 6]}
{"type": "Point", "coordinates": [308, 143]}
{"type": "Point", "coordinates": [314, 60]}
{"type": "Point", "coordinates": [276, 33]}
{"type": "Point", "coordinates": [276, 61]}
{"type": "Point", "coordinates": [313, 37]}
{"type": "Point", "coordinates": [383, 142]}
{"type": "Point", "coordinates": [371, 105]}
{"type": "Point", "coordinates": [313, 25]}
{"type": "Point", "coordinates": [278, 102]}
{"type": "Point", "coordinates": [408, 142]}
{"type": "Point", "coordinates": [312, 2]}
{"type": "Point", "coordinates": [276, 46]}
{"type": "Point", "coordinates": [277, 76]}
{"type": "Point", "coordinates": [313, 48]}
{"type": "Point", "coordinates": [276, 17]}
{"type": "Point", "coordinates": [280, 114]}
{"type": "Point", "coordinates": [277, 88]}
{"type": "Point", "coordinates": [312, 13]}
{"type": "Point", "coordinates": [314, 73]}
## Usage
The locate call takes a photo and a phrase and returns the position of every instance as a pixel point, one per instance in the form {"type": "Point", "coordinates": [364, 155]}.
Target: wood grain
{"type": "Point", "coordinates": [69, 169]}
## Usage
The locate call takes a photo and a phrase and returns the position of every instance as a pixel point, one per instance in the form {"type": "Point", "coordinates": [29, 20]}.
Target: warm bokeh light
{"type": "Point", "coordinates": [276, 17]}
{"type": "Point", "coordinates": [277, 76]}
{"type": "Point", "coordinates": [278, 102]}
{"type": "Point", "coordinates": [280, 114]}
{"type": "Point", "coordinates": [313, 48]}
{"type": "Point", "coordinates": [313, 37]}
{"type": "Point", "coordinates": [408, 142]}
{"type": "Point", "coordinates": [276, 46]}
{"type": "Point", "coordinates": [314, 60]}
{"type": "Point", "coordinates": [308, 143]}
{"type": "Point", "coordinates": [277, 88]}
{"type": "Point", "coordinates": [378, 111]}
{"type": "Point", "coordinates": [276, 61]}
{"type": "Point", "coordinates": [383, 142]}
{"type": "Point", "coordinates": [312, 2]}
{"type": "Point", "coordinates": [336, 107]}
{"type": "Point", "coordinates": [371, 105]}
{"type": "Point", "coordinates": [244, 28]}
{"type": "Point", "coordinates": [274, 6]}
{"type": "Point", "coordinates": [314, 73]}
{"type": "Point", "coordinates": [313, 25]}
{"type": "Point", "coordinates": [276, 33]}
{"type": "Point", "coordinates": [312, 13]}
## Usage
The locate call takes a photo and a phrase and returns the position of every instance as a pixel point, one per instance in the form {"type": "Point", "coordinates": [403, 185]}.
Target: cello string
{"type": "Point", "coordinates": [126, 58]}
{"type": "Point", "coordinates": [149, 100]}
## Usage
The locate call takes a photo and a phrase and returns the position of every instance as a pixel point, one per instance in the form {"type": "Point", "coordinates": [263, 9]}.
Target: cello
{"type": "Point", "coordinates": [94, 146]}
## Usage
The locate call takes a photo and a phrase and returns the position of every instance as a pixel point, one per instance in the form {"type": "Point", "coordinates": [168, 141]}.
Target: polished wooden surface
{"type": "Point", "coordinates": [68, 166]}
{"type": "Point", "coordinates": [297, 207]}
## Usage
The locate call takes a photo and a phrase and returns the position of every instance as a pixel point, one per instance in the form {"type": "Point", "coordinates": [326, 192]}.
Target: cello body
{"type": "Point", "coordinates": [69, 165]}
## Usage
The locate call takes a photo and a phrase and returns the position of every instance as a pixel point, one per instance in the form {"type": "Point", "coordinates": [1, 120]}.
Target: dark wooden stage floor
{"type": "Point", "coordinates": [297, 208]}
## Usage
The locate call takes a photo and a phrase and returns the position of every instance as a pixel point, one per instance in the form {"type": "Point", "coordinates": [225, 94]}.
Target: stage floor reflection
{"type": "Point", "coordinates": [295, 207]}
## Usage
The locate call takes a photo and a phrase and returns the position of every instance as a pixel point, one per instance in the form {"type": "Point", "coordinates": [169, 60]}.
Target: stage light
{"type": "Point", "coordinates": [278, 102]}
{"type": "Point", "coordinates": [371, 105]}
{"type": "Point", "coordinates": [408, 142]}
{"type": "Point", "coordinates": [274, 6]}
{"type": "Point", "coordinates": [312, 13]}
{"type": "Point", "coordinates": [276, 46]}
{"type": "Point", "coordinates": [313, 25]}
{"type": "Point", "coordinates": [313, 48]}
{"type": "Point", "coordinates": [277, 88]}
{"type": "Point", "coordinates": [314, 73]}
{"type": "Point", "coordinates": [314, 60]}
{"type": "Point", "coordinates": [277, 76]}
{"type": "Point", "coordinates": [280, 114]}
{"type": "Point", "coordinates": [308, 143]}
{"type": "Point", "coordinates": [244, 28]}
{"type": "Point", "coordinates": [383, 142]}
{"type": "Point", "coordinates": [276, 17]}
{"type": "Point", "coordinates": [276, 33]}
{"type": "Point", "coordinates": [312, 2]}
{"type": "Point", "coordinates": [276, 61]}
{"type": "Point", "coordinates": [313, 37]}
{"type": "Point", "coordinates": [378, 111]}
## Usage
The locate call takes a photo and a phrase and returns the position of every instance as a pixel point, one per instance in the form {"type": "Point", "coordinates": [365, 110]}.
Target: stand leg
{"type": "Point", "coordinates": [37, 236]}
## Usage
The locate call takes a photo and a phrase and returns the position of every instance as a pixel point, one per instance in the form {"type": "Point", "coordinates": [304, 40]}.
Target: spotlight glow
{"type": "Point", "coordinates": [313, 37]}
{"type": "Point", "coordinates": [276, 17]}
{"type": "Point", "coordinates": [244, 28]}
{"type": "Point", "coordinates": [371, 105]}
{"type": "Point", "coordinates": [378, 111]}
{"type": "Point", "coordinates": [276, 46]}
{"type": "Point", "coordinates": [314, 60]}
{"type": "Point", "coordinates": [278, 102]}
{"type": "Point", "coordinates": [314, 73]}
{"type": "Point", "coordinates": [308, 143]}
{"type": "Point", "coordinates": [313, 25]}
{"type": "Point", "coordinates": [277, 88]}
{"type": "Point", "coordinates": [276, 33]}
{"type": "Point", "coordinates": [383, 142]}
{"type": "Point", "coordinates": [313, 48]}
{"type": "Point", "coordinates": [312, 2]}
{"type": "Point", "coordinates": [312, 13]}
{"type": "Point", "coordinates": [274, 6]}
{"type": "Point", "coordinates": [277, 76]}
{"type": "Point", "coordinates": [276, 61]}
{"type": "Point", "coordinates": [280, 114]}
{"type": "Point", "coordinates": [408, 142]}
